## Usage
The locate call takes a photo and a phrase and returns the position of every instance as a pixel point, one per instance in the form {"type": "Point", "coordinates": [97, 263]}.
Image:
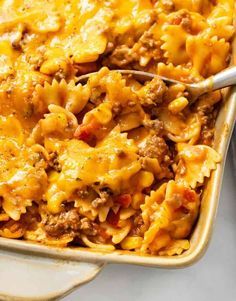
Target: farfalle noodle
{"type": "Point", "coordinates": [197, 161]}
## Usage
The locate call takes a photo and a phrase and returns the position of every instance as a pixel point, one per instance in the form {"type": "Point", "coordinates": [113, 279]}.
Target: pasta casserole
{"type": "Point", "coordinates": [113, 163]}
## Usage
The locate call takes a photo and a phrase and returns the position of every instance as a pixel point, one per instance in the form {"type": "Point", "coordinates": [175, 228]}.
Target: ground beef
{"type": "Point", "coordinates": [152, 93]}
{"type": "Point", "coordinates": [207, 135]}
{"type": "Point", "coordinates": [53, 162]}
{"type": "Point", "coordinates": [69, 222]}
{"type": "Point", "coordinates": [207, 115]}
{"type": "Point", "coordinates": [155, 147]}
{"type": "Point", "coordinates": [147, 49]}
{"type": "Point", "coordinates": [88, 227]}
{"type": "Point", "coordinates": [183, 18]}
{"type": "Point", "coordinates": [121, 56]}
{"type": "Point", "coordinates": [101, 200]}
{"type": "Point", "coordinates": [66, 222]}
{"type": "Point", "coordinates": [28, 221]}
{"type": "Point", "coordinates": [82, 193]}
{"type": "Point", "coordinates": [137, 52]}
{"type": "Point", "coordinates": [186, 23]}
{"type": "Point", "coordinates": [117, 108]}
{"type": "Point", "coordinates": [31, 217]}
{"type": "Point", "coordinates": [138, 226]}
{"type": "Point", "coordinates": [155, 125]}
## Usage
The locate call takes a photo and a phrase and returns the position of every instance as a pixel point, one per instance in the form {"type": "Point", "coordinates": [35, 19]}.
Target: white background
{"type": "Point", "coordinates": [211, 279]}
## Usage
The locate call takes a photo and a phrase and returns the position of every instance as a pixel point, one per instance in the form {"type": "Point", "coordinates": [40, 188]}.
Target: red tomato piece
{"type": "Point", "coordinates": [190, 195]}
{"type": "Point", "coordinates": [124, 200]}
{"type": "Point", "coordinates": [86, 132]}
{"type": "Point", "coordinates": [82, 133]}
{"type": "Point", "coordinates": [113, 218]}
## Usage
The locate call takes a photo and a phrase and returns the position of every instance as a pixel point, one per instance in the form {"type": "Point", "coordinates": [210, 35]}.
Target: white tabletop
{"type": "Point", "coordinates": [213, 278]}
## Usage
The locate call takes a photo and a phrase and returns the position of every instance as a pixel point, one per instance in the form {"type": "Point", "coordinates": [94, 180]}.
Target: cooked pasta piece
{"type": "Point", "coordinates": [168, 213]}
{"type": "Point", "coordinates": [195, 163]}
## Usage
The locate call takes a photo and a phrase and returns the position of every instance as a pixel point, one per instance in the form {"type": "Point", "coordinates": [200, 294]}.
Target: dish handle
{"type": "Point", "coordinates": [29, 277]}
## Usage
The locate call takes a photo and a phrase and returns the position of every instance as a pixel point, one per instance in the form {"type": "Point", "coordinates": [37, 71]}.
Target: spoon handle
{"type": "Point", "coordinates": [224, 79]}
{"type": "Point", "coordinates": [220, 80]}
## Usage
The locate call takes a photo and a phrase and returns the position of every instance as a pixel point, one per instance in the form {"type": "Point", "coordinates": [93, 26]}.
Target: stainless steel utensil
{"type": "Point", "coordinates": [221, 80]}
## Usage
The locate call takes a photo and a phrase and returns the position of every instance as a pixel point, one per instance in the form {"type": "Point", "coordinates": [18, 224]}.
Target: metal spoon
{"type": "Point", "coordinates": [222, 79]}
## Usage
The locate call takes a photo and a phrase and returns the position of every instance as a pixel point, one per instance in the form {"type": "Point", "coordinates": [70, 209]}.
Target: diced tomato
{"type": "Point", "coordinates": [82, 133]}
{"type": "Point", "coordinates": [124, 200]}
{"type": "Point", "coordinates": [190, 195]}
{"type": "Point", "coordinates": [113, 218]}
{"type": "Point", "coordinates": [86, 132]}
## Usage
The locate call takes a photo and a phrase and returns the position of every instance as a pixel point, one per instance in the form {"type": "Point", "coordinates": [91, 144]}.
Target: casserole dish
{"type": "Point", "coordinates": [31, 271]}
{"type": "Point", "coordinates": [45, 273]}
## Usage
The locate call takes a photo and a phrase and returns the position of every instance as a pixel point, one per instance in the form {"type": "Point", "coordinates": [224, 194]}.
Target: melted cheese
{"type": "Point", "coordinates": [22, 175]}
{"type": "Point", "coordinates": [110, 164]}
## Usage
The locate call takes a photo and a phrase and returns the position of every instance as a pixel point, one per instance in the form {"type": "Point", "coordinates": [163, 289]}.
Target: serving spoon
{"type": "Point", "coordinates": [220, 80]}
